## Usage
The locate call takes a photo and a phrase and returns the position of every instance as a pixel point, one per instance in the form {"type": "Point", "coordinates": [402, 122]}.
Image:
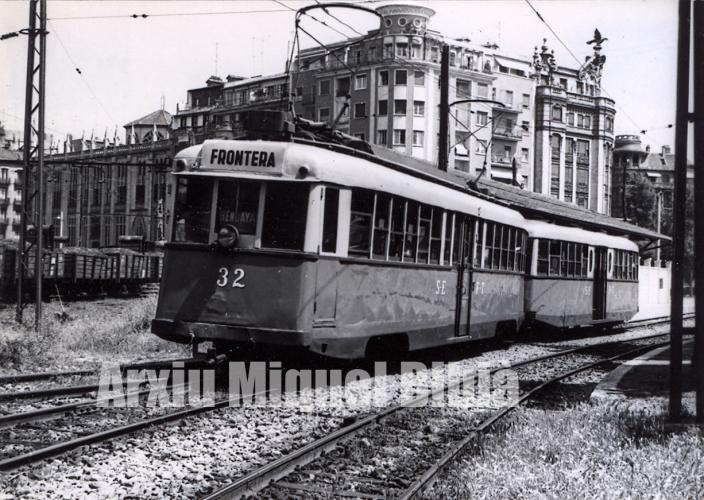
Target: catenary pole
{"type": "Point", "coordinates": [444, 107]}
{"type": "Point", "coordinates": [678, 234]}
{"type": "Point", "coordinates": [699, 204]}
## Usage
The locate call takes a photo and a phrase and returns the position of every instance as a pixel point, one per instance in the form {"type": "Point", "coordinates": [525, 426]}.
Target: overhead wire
{"type": "Point", "coordinates": [166, 14]}
{"type": "Point", "coordinates": [581, 63]}
{"type": "Point", "coordinates": [80, 73]}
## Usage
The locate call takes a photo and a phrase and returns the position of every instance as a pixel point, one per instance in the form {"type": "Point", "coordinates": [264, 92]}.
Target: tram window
{"type": "Point", "coordinates": [435, 236]}
{"type": "Point", "coordinates": [478, 238]}
{"type": "Point", "coordinates": [504, 247]}
{"type": "Point", "coordinates": [564, 260]}
{"type": "Point", "coordinates": [571, 259]}
{"type": "Point", "coordinates": [523, 251]}
{"type": "Point", "coordinates": [578, 260]}
{"type": "Point", "coordinates": [332, 201]}
{"type": "Point", "coordinates": [192, 210]}
{"type": "Point", "coordinates": [585, 260]}
{"type": "Point", "coordinates": [543, 257]}
{"type": "Point", "coordinates": [398, 215]}
{"type": "Point", "coordinates": [238, 204]}
{"type": "Point", "coordinates": [512, 250]}
{"type": "Point", "coordinates": [381, 225]}
{"type": "Point", "coordinates": [360, 223]}
{"type": "Point", "coordinates": [426, 214]}
{"type": "Point", "coordinates": [554, 258]}
{"type": "Point", "coordinates": [411, 241]}
{"type": "Point", "coordinates": [496, 257]}
{"type": "Point", "coordinates": [488, 246]}
{"type": "Point", "coordinates": [285, 210]}
{"type": "Point", "coordinates": [609, 267]}
{"type": "Point", "coordinates": [448, 238]}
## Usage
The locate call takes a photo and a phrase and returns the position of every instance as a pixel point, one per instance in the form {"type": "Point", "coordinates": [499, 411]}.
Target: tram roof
{"type": "Point", "coordinates": [530, 204]}
{"type": "Point", "coordinates": [548, 230]}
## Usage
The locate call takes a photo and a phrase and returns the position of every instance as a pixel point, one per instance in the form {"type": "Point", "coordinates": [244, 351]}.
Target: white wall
{"type": "Point", "coordinates": [654, 294]}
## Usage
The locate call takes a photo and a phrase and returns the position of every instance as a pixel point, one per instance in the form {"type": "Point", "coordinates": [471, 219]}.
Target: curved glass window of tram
{"type": "Point", "coordinates": [267, 215]}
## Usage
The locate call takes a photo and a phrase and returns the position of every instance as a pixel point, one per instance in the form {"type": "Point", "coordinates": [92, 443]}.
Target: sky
{"type": "Point", "coordinates": [129, 65]}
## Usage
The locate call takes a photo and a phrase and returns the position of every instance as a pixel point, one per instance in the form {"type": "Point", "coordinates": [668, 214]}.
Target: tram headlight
{"type": "Point", "coordinates": [227, 236]}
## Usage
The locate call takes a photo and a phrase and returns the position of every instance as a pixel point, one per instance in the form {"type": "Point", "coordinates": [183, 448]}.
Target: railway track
{"type": "Point", "coordinates": [307, 471]}
{"type": "Point", "coordinates": [306, 454]}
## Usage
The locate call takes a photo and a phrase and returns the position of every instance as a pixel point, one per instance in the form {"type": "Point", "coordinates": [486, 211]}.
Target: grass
{"type": "Point", "coordinates": [98, 330]}
{"type": "Point", "coordinates": [586, 452]}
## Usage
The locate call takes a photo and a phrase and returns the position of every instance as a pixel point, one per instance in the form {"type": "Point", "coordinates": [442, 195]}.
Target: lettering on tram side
{"type": "Point", "coordinates": [238, 276]}
{"type": "Point", "coordinates": [242, 158]}
{"type": "Point", "coordinates": [440, 287]}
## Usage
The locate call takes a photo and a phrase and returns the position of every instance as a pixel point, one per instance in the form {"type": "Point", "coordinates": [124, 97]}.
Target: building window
{"type": "Point", "coordinates": [580, 120]}
{"type": "Point", "coordinates": [360, 110]}
{"type": "Point", "coordinates": [399, 106]}
{"type": "Point", "coordinates": [401, 77]}
{"type": "Point", "coordinates": [372, 54]}
{"type": "Point", "coordinates": [418, 108]}
{"type": "Point", "coordinates": [609, 124]}
{"type": "Point", "coordinates": [509, 98]}
{"type": "Point", "coordinates": [323, 114]}
{"type": "Point", "coordinates": [525, 126]}
{"type": "Point", "coordinates": [464, 89]}
{"type": "Point", "coordinates": [383, 78]}
{"type": "Point", "coordinates": [480, 146]}
{"type": "Point", "coordinates": [524, 154]}
{"type": "Point", "coordinates": [557, 113]}
{"type": "Point", "coordinates": [360, 82]}
{"type": "Point", "coordinates": [399, 137]}
{"type": "Point", "coordinates": [570, 118]}
{"type": "Point", "coordinates": [388, 50]}
{"type": "Point", "coordinates": [419, 77]}
{"type": "Point", "coordinates": [383, 108]}
{"type": "Point", "coordinates": [415, 51]}
{"type": "Point", "coordinates": [418, 136]}
{"type": "Point", "coordinates": [401, 50]}
{"type": "Point", "coordinates": [381, 137]}
{"type": "Point", "coordinates": [453, 59]}
{"type": "Point", "coordinates": [526, 101]}
{"type": "Point", "coordinates": [563, 83]}
{"type": "Point", "coordinates": [482, 118]}
{"type": "Point", "coordinates": [482, 90]}
{"type": "Point", "coordinates": [324, 87]}
{"type": "Point", "coordinates": [587, 121]}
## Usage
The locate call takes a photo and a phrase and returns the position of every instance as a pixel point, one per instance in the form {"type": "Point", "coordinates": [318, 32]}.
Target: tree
{"type": "Point", "coordinates": [641, 200]}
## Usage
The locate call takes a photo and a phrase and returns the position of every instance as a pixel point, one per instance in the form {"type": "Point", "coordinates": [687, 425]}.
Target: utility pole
{"type": "Point", "coordinates": [33, 178]}
{"type": "Point", "coordinates": [699, 207]}
{"type": "Point", "coordinates": [444, 107]}
{"type": "Point", "coordinates": [678, 212]}
{"type": "Point", "coordinates": [659, 207]}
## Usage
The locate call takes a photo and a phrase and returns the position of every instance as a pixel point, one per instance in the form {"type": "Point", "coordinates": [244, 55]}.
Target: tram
{"type": "Point", "coordinates": [291, 241]}
{"type": "Point", "coordinates": [579, 278]}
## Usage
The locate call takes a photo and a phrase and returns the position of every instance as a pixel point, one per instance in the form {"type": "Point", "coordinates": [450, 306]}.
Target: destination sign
{"type": "Point", "coordinates": [242, 155]}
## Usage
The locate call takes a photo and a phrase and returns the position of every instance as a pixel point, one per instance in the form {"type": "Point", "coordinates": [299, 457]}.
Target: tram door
{"type": "Point", "coordinates": [464, 260]}
{"type": "Point", "coordinates": [599, 295]}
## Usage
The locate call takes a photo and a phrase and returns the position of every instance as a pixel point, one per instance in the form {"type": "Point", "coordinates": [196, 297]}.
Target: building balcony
{"type": "Point", "coordinates": [506, 109]}
{"type": "Point", "coordinates": [5, 181]}
{"type": "Point", "coordinates": [501, 160]}
{"type": "Point", "coordinates": [508, 134]}
{"type": "Point", "coordinates": [17, 204]}
{"type": "Point", "coordinates": [4, 202]}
